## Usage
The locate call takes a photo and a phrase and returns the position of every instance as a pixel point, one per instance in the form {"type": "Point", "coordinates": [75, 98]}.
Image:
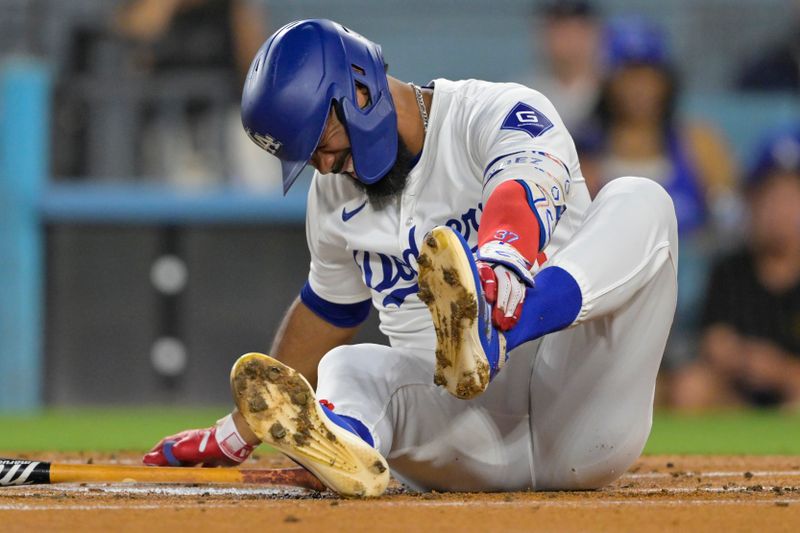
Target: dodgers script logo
{"type": "Point", "coordinates": [528, 119]}
{"type": "Point", "coordinates": [396, 277]}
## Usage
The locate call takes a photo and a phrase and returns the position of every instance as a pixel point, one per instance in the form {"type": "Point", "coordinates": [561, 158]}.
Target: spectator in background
{"type": "Point", "coordinates": [570, 37]}
{"type": "Point", "coordinates": [182, 34]}
{"type": "Point", "coordinates": [751, 337]}
{"type": "Point", "coordinates": [200, 39]}
{"type": "Point", "coordinates": [778, 67]}
{"type": "Point", "coordinates": [636, 132]}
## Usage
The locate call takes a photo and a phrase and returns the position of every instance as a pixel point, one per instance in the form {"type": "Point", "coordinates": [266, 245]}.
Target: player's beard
{"type": "Point", "coordinates": [391, 185]}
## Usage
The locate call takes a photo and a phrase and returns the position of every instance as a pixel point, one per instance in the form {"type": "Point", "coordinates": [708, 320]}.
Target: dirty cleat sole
{"type": "Point", "coordinates": [448, 285]}
{"type": "Point", "coordinates": [280, 408]}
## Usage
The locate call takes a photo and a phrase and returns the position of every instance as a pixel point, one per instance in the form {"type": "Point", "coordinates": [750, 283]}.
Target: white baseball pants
{"type": "Point", "coordinates": [571, 410]}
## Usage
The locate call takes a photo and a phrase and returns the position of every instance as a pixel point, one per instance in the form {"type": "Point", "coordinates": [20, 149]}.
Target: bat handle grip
{"type": "Point", "coordinates": [16, 472]}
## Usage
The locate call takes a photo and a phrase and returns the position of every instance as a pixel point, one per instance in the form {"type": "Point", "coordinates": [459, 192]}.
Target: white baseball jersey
{"type": "Point", "coordinates": [479, 134]}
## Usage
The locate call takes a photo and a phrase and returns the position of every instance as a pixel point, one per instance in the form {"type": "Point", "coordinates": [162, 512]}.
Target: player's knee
{"type": "Point", "coordinates": [645, 193]}
{"type": "Point", "coordinates": [592, 465]}
{"type": "Point", "coordinates": [357, 363]}
{"type": "Point", "coordinates": [645, 202]}
{"type": "Point", "coordinates": [342, 360]}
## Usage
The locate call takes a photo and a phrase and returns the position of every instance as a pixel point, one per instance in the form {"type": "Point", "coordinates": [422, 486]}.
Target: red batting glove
{"type": "Point", "coordinates": [504, 291]}
{"type": "Point", "coordinates": [221, 445]}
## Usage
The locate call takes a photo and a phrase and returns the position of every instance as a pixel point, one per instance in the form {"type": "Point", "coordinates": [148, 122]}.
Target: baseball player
{"type": "Point", "coordinates": [526, 323]}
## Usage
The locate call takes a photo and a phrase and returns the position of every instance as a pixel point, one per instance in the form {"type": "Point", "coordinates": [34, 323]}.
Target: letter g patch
{"type": "Point", "coordinates": [528, 119]}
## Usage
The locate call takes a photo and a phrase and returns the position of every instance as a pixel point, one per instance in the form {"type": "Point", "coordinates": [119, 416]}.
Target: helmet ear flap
{"type": "Point", "coordinates": [337, 104]}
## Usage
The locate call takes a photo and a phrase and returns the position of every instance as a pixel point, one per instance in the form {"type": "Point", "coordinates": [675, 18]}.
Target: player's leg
{"type": "Point", "coordinates": [592, 385]}
{"type": "Point", "coordinates": [431, 439]}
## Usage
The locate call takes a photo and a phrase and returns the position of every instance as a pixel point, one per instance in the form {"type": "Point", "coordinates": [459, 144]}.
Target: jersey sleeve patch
{"type": "Point", "coordinates": [528, 119]}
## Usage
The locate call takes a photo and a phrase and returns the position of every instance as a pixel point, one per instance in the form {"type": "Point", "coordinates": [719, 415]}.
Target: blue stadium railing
{"type": "Point", "coordinates": [24, 115]}
{"type": "Point", "coordinates": [153, 204]}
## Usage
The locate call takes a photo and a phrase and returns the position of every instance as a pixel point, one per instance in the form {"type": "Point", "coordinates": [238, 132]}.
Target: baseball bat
{"type": "Point", "coordinates": [16, 472]}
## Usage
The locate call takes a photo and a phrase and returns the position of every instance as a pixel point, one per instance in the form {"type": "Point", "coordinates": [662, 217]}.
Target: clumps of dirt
{"type": "Point", "coordinates": [748, 475]}
{"type": "Point", "coordinates": [450, 277]}
{"type": "Point", "coordinates": [274, 373]}
{"type": "Point", "coordinates": [300, 398]}
{"type": "Point", "coordinates": [304, 427]}
{"type": "Point", "coordinates": [431, 243]}
{"type": "Point", "coordinates": [277, 431]}
{"type": "Point", "coordinates": [424, 261]}
{"type": "Point", "coordinates": [467, 307]}
{"type": "Point", "coordinates": [454, 333]}
{"type": "Point", "coordinates": [240, 384]}
{"type": "Point", "coordinates": [441, 360]}
{"type": "Point", "coordinates": [424, 294]}
{"type": "Point", "coordinates": [296, 390]}
{"type": "Point", "coordinates": [254, 370]}
{"type": "Point", "coordinates": [467, 389]}
{"type": "Point", "coordinates": [359, 489]}
{"type": "Point", "coordinates": [256, 403]}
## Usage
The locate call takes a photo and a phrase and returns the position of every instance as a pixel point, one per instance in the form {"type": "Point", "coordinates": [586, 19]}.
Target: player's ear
{"type": "Point", "coordinates": [362, 93]}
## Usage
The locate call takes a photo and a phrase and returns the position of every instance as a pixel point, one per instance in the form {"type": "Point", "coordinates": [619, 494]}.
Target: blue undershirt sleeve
{"type": "Point", "coordinates": [551, 305]}
{"type": "Point", "coordinates": [340, 315]}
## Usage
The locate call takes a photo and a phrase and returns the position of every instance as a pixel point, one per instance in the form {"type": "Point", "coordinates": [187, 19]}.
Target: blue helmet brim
{"type": "Point", "coordinates": [291, 171]}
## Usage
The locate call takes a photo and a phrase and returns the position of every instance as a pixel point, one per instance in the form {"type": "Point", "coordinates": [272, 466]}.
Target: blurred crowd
{"type": "Point", "coordinates": [181, 65]}
{"type": "Point", "coordinates": [736, 338]}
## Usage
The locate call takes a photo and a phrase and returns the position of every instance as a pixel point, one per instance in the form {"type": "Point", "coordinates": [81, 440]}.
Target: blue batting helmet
{"type": "Point", "coordinates": [298, 74]}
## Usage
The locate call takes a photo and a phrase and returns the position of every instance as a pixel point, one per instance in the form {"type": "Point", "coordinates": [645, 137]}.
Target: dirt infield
{"type": "Point", "coordinates": [686, 493]}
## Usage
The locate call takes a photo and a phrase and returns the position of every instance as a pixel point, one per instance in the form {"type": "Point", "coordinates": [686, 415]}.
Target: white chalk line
{"type": "Point", "coordinates": [102, 491]}
{"type": "Point", "coordinates": [681, 473]}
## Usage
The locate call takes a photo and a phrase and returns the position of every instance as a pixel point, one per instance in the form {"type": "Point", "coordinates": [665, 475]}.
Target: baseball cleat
{"type": "Point", "coordinates": [469, 349]}
{"type": "Point", "coordinates": [280, 408]}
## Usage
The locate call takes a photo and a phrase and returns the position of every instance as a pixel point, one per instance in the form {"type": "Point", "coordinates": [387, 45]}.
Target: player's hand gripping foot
{"type": "Point", "coordinates": [279, 406]}
{"type": "Point", "coordinates": [469, 349]}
